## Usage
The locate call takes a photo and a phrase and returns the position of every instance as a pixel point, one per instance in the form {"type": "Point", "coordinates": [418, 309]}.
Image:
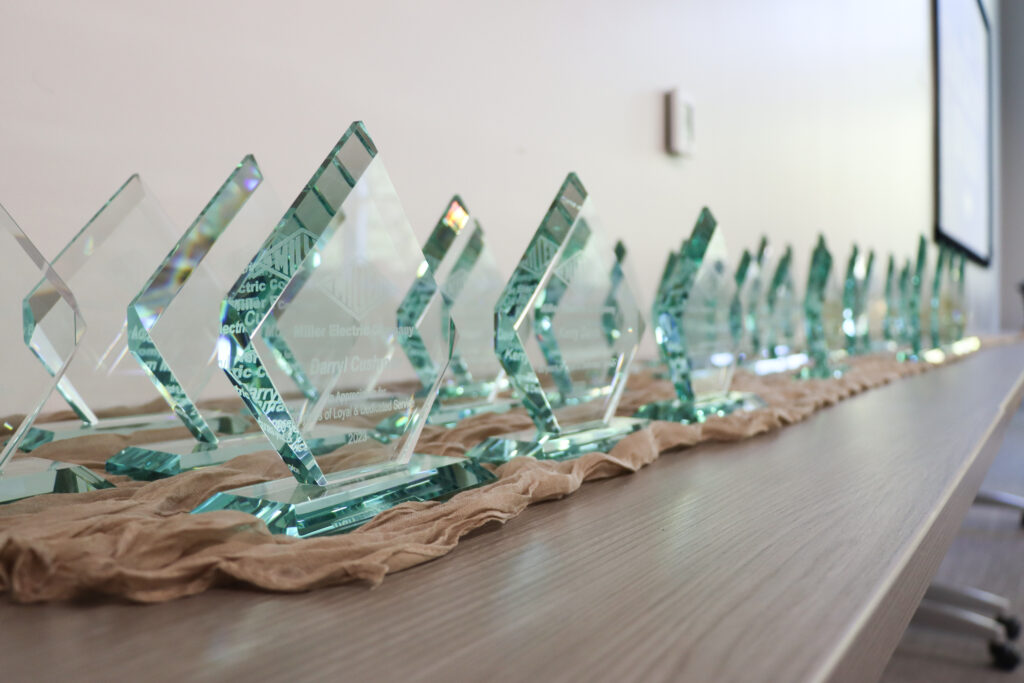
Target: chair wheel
{"type": "Point", "coordinates": [1011, 625]}
{"type": "Point", "coordinates": [1005, 656]}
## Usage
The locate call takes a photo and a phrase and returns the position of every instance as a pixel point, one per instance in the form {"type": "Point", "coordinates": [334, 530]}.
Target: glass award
{"type": "Point", "coordinates": [105, 265]}
{"type": "Point", "coordinates": [856, 326]}
{"type": "Point", "coordinates": [940, 302]}
{"type": "Point", "coordinates": [958, 306]}
{"type": "Point", "coordinates": [781, 325]}
{"type": "Point", "coordinates": [946, 308]}
{"type": "Point", "coordinates": [559, 338]}
{"type": "Point", "coordinates": [695, 327]}
{"type": "Point", "coordinates": [893, 319]}
{"type": "Point", "coordinates": [467, 274]}
{"type": "Point", "coordinates": [749, 304]}
{"type": "Point", "coordinates": [28, 384]}
{"type": "Point", "coordinates": [912, 291]}
{"type": "Point", "coordinates": [331, 278]}
{"type": "Point", "coordinates": [906, 280]}
{"type": "Point", "coordinates": [741, 332]}
{"type": "Point", "coordinates": [173, 327]}
{"type": "Point", "coordinates": [656, 366]}
{"type": "Point", "coordinates": [819, 324]}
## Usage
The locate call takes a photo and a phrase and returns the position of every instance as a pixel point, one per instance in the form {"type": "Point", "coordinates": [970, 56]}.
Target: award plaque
{"type": "Point", "coordinates": [940, 302]}
{"type": "Point", "coordinates": [741, 332]}
{"type": "Point", "coordinates": [895, 324]}
{"type": "Point", "coordinates": [781, 325]}
{"type": "Point", "coordinates": [749, 304]}
{"type": "Point", "coordinates": [906, 283]}
{"type": "Point", "coordinates": [330, 277]}
{"type": "Point", "coordinates": [913, 285]}
{"type": "Point", "coordinates": [29, 384]}
{"type": "Point", "coordinates": [173, 326]}
{"type": "Point", "coordinates": [856, 301]}
{"type": "Point", "coordinates": [947, 312]}
{"type": "Point", "coordinates": [571, 385]}
{"type": "Point", "coordinates": [958, 307]}
{"type": "Point", "coordinates": [695, 329]}
{"type": "Point", "coordinates": [656, 366]}
{"type": "Point", "coordinates": [559, 337]}
{"type": "Point", "coordinates": [467, 274]}
{"type": "Point", "coordinates": [817, 322]}
{"type": "Point", "coordinates": [105, 265]}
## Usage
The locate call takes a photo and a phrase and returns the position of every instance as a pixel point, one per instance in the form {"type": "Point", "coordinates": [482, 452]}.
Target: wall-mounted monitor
{"type": "Point", "coordinates": [963, 127]}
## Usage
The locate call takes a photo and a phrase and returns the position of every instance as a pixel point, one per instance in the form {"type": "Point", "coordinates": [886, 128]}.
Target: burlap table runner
{"type": "Point", "coordinates": [138, 542]}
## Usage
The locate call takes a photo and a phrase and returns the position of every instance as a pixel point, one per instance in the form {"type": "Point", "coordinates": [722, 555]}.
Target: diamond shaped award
{"type": "Point", "coordinates": [330, 278]}
{"type": "Point", "coordinates": [947, 302]}
{"type": "Point", "coordinates": [106, 265]}
{"type": "Point", "coordinates": [856, 301]}
{"type": "Point", "coordinates": [821, 324]}
{"type": "Point", "coordinates": [656, 366]}
{"type": "Point", "coordinates": [695, 328]}
{"type": "Point", "coordinates": [29, 384]}
{"type": "Point", "coordinates": [552, 328]}
{"type": "Point", "coordinates": [893, 318]}
{"type": "Point", "coordinates": [173, 326]}
{"type": "Point", "coordinates": [958, 306]}
{"type": "Point", "coordinates": [743, 308]}
{"type": "Point", "coordinates": [917, 318]}
{"type": "Point", "coordinates": [752, 299]}
{"type": "Point", "coordinates": [467, 274]}
{"type": "Point", "coordinates": [781, 325]}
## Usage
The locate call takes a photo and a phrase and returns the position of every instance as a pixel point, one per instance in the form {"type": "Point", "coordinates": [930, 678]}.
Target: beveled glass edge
{"type": "Point", "coordinates": [236, 353]}
{"type": "Point", "coordinates": [166, 283]}
{"type": "Point", "coordinates": [58, 284]}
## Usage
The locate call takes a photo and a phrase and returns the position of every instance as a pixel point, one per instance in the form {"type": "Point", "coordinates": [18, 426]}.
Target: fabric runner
{"type": "Point", "coordinates": [137, 541]}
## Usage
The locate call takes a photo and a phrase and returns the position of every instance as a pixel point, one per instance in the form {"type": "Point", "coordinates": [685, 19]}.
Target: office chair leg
{"type": "Point", "coordinates": [937, 616]}
{"type": "Point", "coordinates": [979, 601]}
{"type": "Point", "coordinates": [1001, 499]}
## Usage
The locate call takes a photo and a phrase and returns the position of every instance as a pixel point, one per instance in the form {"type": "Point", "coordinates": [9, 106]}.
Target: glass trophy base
{"type": "Point", "coordinates": [826, 371]}
{"type": "Point", "coordinates": [581, 394]}
{"type": "Point", "coordinates": [164, 459]}
{"type": "Point", "coordinates": [447, 416]}
{"type": "Point", "coordinates": [43, 433]}
{"type": "Point", "coordinates": [953, 350]}
{"type": "Point", "coordinates": [27, 477]}
{"type": "Point", "coordinates": [351, 498]}
{"type": "Point", "coordinates": [479, 390]}
{"type": "Point", "coordinates": [786, 363]}
{"type": "Point", "coordinates": [676, 410]}
{"type": "Point", "coordinates": [585, 438]}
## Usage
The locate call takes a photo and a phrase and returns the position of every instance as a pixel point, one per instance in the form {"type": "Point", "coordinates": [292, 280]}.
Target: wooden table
{"type": "Point", "coordinates": [799, 555]}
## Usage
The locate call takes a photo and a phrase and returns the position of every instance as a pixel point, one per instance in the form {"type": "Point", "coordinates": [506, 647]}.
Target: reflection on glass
{"type": "Point", "coordinates": [23, 268]}
{"type": "Point", "coordinates": [567, 328]}
{"type": "Point", "coordinates": [331, 276]}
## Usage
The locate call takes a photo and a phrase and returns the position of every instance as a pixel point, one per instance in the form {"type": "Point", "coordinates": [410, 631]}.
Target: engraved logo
{"type": "Point", "coordinates": [358, 290]}
{"type": "Point", "coordinates": [539, 256]}
{"type": "Point", "coordinates": [283, 257]}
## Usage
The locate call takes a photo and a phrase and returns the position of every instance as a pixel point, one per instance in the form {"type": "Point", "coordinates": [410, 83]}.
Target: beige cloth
{"type": "Point", "coordinates": [138, 542]}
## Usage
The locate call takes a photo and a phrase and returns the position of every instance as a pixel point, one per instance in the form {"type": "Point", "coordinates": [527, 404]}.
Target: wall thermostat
{"type": "Point", "coordinates": [679, 124]}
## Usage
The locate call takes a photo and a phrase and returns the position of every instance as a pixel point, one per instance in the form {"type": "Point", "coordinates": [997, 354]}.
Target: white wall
{"type": "Point", "coordinates": [811, 115]}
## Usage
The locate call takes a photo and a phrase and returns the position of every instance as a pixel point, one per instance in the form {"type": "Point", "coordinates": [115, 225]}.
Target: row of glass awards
{"type": "Point", "coordinates": [343, 338]}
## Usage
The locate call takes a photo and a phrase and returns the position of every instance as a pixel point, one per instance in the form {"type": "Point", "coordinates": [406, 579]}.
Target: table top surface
{"type": "Point", "coordinates": [796, 555]}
